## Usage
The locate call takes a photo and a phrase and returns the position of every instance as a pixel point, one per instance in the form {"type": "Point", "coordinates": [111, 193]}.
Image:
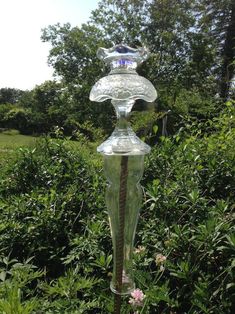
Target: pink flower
{"type": "Point", "coordinates": [138, 294]}
{"type": "Point", "coordinates": [160, 259]}
{"type": "Point", "coordinates": [137, 297]}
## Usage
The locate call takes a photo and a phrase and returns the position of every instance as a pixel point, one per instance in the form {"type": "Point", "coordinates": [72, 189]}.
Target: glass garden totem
{"type": "Point", "coordinates": [123, 155]}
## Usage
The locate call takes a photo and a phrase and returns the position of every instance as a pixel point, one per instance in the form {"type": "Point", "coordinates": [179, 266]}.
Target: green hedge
{"type": "Point", "coordinates": [52, 209]}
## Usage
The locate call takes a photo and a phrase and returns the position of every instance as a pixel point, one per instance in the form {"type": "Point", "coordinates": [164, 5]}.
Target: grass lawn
{"type": "Point", "coordinates": [10, 142]}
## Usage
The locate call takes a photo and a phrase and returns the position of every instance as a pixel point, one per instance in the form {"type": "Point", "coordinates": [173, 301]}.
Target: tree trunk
{"type": "Point", "coordinates": [228, 56]}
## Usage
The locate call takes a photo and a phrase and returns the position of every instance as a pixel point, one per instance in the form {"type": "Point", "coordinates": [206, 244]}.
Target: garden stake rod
{"type": "Point", "coordinates": [120, 238]}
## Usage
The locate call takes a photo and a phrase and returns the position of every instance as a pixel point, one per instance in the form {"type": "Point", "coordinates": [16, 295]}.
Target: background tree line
{"type": "Point", "coordinates": [191, 64]}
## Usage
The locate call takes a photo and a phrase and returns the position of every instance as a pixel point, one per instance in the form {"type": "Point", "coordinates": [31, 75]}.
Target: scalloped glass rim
{"type": "Point", "coordinates": [110, 54]}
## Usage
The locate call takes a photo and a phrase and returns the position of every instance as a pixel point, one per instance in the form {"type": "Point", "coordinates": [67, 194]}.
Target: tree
{"type": "Point", "coordinates": [182, 56]}
{"type": "Point", "coordinates": [185, 58]}
{"type": "Point", "coordinates": [10, 95]}
{"type": "Point", "coordinates": [121, 20]}
{"type": "Point", "coordinates": [228, 54]}
{"type": "Point", "coordinates": [17, 118]}
{"type": "Point", "coordinates": [217, 18]}
{"type": "Point", "coordinates": [73, 53]}
{"type": "Point", "coordinates": [73, 56]}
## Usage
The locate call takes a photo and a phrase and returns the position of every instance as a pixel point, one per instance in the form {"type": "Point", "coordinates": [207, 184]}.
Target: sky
{"type": "Point", "coordinates": [23, 56]}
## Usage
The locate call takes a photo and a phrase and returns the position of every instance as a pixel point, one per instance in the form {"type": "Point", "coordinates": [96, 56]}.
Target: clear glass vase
{"type": "Point", "coordinates": [123, 200]}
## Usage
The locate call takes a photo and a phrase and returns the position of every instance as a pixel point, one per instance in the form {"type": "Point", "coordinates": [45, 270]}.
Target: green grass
{"type": "Point", "coordinates": [10, 142]}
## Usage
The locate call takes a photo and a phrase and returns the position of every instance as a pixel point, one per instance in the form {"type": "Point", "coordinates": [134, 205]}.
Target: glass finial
{"type": "Point", "coordinates": [123, 55]}
{"type": "Point", "coordinates": [123, 82]}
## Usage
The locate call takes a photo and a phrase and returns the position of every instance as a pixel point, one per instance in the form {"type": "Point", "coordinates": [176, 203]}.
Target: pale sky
{"type": "Point", "coordinates": [23, 56]}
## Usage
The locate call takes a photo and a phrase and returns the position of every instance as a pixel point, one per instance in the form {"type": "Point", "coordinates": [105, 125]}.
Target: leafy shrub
{"type": "Point", "coordinates": [188, 217]}
{"type": "Point", "coordinates": [52, 208]}
{"type": "Point", "coordinates": [16, 282]}
{"type": "Point", "coordinates": [12, 132]}
{"type": "Point", "coordinates": [82, 132]}
{"type": "Point", "coordinates": [4, 109]}
{"type": "Point", "coordinates": [194, 102]}
{"type": "Point", "coordinates": [47, 193]}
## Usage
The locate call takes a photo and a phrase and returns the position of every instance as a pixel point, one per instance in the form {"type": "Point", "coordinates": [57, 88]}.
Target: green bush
{"type": "Point", "coordinates": [52, 208]}
{"type": "Point", "coordinates": [194, 103]}
{"type": "Point", "coordinates": [189, 218]}
{"type": "Point", "coordinates": [48, 192]}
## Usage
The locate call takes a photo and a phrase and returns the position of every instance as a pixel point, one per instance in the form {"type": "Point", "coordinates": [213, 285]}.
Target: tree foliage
{"type": "Point", "coordinates": [217, 19]}
{"type": "Point", "coordinates": [192, 52]}
{"type": "Point", "coordinates": [10, 95]}
{"type": "Point", "coordinates": [186, 38]}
